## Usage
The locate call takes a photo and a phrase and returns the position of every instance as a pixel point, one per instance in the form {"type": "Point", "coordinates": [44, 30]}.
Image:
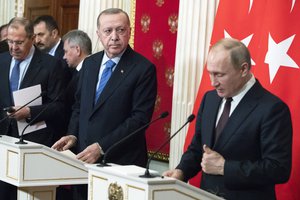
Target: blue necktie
{"type": "Point", "coordinates": [15, 76]}
{"type": "Point", "coordinates": [104, 78]}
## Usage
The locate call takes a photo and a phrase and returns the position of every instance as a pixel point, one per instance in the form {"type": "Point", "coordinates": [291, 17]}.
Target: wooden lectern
{"type": "Point", "coordinates": [117, 182]}
{"type": "Point", "coordinates": [37, 170]}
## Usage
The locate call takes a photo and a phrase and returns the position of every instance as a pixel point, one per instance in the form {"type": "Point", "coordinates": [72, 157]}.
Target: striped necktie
{"type": "Point", "coordinates": [104, 78]}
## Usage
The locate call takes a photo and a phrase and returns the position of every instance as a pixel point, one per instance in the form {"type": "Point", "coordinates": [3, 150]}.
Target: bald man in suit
{"type": "Point", "coordinates": [251, 153]}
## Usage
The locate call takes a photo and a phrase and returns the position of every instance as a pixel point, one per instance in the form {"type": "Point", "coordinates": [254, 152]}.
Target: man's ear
{"type": "Point", "coordinates": [245, 69]}
{"type": "Point", "coordinates": [54, 33]}
{"type": "Point", "coordinates": [78, 50]}
{"type": "Point", "coordinates": [98, 33]}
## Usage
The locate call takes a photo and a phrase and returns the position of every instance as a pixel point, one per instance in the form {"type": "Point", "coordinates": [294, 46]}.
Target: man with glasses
{"type": "Point", "coordinates": [115, 96]}
{"type": "Point", "coordinates": [24, 66]}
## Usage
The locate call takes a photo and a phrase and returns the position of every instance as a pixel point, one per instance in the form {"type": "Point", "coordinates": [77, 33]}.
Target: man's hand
{"type": "Point", "coordinates": [24, 113]}
{"type": "Point", "coordinates": [91, 154]}
{"type": "Point", "coordinates": [175, 173]}
{"type": "Point", "coordinates": [212, 162]}
{"type": "Point", "coordinates": [65, 143]}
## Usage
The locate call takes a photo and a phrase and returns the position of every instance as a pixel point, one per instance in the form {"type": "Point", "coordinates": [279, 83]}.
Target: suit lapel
{"type": "Point", "coordinates": [121, 71]}
{"type": "Point", "coordinates": [209, 119]}
{"type": "Point", "coordinates": [33, 69]}
{"type": "Point", "coordinates": [93, 72]}
{"type": "Point", "coordinates": [239, 115]}
{"type": "Point", "coordinates": [59, 53]}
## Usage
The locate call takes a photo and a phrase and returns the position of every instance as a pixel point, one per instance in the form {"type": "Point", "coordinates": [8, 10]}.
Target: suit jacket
{"type": "Point", "coordinates": [47, 71]}
{"type": "Point", "coordinates": [69, 98]}
{"type": "Point", "coordinates": [62, 124]}
{"type": "Point", "coordinates": [59, 52]}
{"type": "Point", "coordinates": [125, 104]}
{"type": "Point", "coordinates": [255, 143]}
{"type": "Point", "coordinates": [3, 46]}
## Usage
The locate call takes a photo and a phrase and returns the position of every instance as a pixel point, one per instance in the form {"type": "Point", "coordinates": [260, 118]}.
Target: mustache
{"type": "Point", "coordinates": [39, 44]}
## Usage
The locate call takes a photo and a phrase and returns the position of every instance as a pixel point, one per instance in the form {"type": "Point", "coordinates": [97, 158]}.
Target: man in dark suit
{"type": "Point", "coordinates": [47, 37]}
{"type": "Point", "coordinates": [35, 68]}
{"type": "Point", "coordinates": [77, 46]}
{"type": "Point", "coordinates": [126, 103]}
{"type": "Point", "coordinates": [252, 152]}
{"type": "Point", "coordinates": [48, 40]}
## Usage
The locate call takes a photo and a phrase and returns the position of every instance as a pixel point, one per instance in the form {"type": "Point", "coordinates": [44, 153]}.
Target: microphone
{"type": "Point", "coordinates": [103, 162]}
{"type": "Point", "coordinates": [12, 110]}
{"type": "Point", "coordinates": [21, 140]}
{"type": "Point", "coordinates": [147, 173]}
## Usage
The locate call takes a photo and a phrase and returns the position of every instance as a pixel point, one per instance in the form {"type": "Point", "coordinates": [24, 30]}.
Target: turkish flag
{"type": "Point", "coordinates": [271, 31]}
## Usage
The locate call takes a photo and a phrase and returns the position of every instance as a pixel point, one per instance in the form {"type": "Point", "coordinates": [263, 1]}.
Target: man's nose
{"type": "Point", "coordinates": [214, 81]}
{"type": "Point", "coordinates": [37, 39]}
{"type": "Point", "coordinates": [114, 36]}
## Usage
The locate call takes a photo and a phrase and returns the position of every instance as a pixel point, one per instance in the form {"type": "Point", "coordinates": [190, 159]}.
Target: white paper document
{"type": "Point", "coordinates": [23, 96]}
{"type": "Point", "coordinates": [69, 154]}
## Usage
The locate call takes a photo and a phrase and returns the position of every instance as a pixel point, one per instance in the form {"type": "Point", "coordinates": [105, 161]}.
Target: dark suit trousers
{"type": "Point", "coordinates": [8, 191]}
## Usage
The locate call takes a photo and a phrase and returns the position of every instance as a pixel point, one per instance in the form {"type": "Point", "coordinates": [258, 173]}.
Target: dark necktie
{"type": "Point", "coordinates": [223, 119]}
{"type": "Point", "coordinates": [104, 78]}
{"type": "Point", "coordinates": [15, 76]}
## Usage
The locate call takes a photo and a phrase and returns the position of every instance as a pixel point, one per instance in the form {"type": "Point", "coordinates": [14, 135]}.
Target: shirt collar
{"type": "Point", "coordinates": [52, 51]}
{"type": "Point", "coordinates": [244, 89]}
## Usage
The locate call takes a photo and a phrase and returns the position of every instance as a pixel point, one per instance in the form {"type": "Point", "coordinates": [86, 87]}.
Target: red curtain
{"type": "Point", "coordinates": [271, 30]}
{"type": "Point", "coordinates": [155, 38]}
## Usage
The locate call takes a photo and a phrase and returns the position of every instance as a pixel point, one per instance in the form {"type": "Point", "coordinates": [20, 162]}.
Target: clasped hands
{"type": "Point", "coordinates": [89, 155]}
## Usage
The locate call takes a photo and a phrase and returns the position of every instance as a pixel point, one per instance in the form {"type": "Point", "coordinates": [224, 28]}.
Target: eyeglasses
{"type": "Point", "coordinates": [119, 31]}
{"type": "Point", "coordinates": [17, 43]}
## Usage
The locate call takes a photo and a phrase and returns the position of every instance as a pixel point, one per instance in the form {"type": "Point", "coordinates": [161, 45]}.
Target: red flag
{"type": "Point", "coordinates": [271, 31]}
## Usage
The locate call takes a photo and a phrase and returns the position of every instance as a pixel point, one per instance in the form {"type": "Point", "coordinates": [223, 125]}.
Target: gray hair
{"type": "Point", "coordinates": [112, 11]}
{"type": "Point", "coordinates": [16, 22]}
{"type": "Point", "coordinates": [80, 38]}
{"type": "Point", "coordinates": [239, 53]}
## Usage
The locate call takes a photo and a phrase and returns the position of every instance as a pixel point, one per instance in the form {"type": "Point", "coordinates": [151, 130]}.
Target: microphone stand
{"type": "Point", "coordinates": [103, 162]}
{"type": "Point", "coordinates": [147, 173]}
{"type": "Point", "coordinates": [21, 139]}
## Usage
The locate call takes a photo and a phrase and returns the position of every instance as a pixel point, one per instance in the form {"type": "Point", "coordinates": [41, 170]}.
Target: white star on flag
{"type": "Point", "coordinates": [271, 31]}
{"type": "Point", "coordinates": [277, 56]}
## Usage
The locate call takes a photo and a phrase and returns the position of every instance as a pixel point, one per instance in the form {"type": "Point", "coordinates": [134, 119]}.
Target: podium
{"type": "Point", "coordinates": [37, 170]}
{"type": "Point", "coordinates": [117, 182]}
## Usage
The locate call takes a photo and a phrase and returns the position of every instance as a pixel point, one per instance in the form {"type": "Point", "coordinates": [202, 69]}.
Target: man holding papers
{"type": "Point", "coordinates": [22, 67]}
